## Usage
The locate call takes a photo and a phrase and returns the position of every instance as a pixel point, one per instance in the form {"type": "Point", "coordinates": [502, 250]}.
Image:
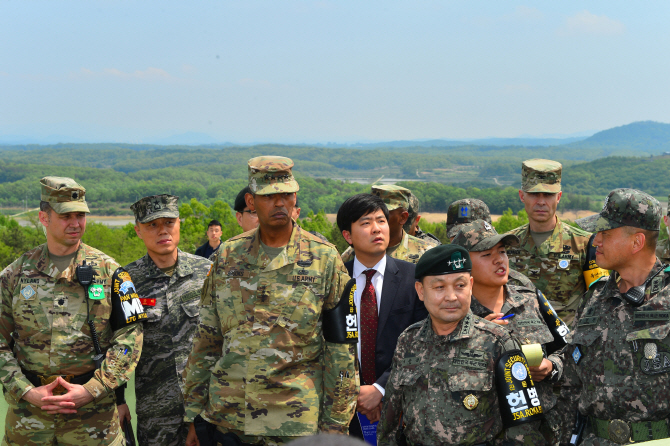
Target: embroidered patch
{"type": "Point", "coordinates": [519, 371]}
{"type": "Point", "coordinates": [529, 323]}
{"type": "Point", "coordinates": [644, 316]}
{"type": "Point", "coordinates": [659, 363]}
{"type": "Point", "coordinates": [563, 264]}
{"type": "Point", "coordinates": [588, 321]}
{"type": "Point", "coordinates": [27, 292]}
{"type": "Point", "coordinates": [576, 355]}
{"type": "Point", "coordinates": [96, 292]}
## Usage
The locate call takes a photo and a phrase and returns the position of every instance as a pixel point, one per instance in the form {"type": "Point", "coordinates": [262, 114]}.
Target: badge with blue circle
{"type": "Point", "coordinates": [576, 355]}
{"type": "Point", "coordinates": [27, 292]}
{"type": "Point", "coordinates": [465, 210]}
{"type": "Point", "coordinates": [519, 371]}
{"type": "Point", "coordinates": [563, 264]}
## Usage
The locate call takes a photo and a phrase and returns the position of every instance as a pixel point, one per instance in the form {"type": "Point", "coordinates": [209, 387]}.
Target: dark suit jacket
{"type": "Point", "coordinates": [400, 308]}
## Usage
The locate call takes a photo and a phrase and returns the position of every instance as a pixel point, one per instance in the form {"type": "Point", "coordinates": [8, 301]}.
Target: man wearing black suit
{"type": "Point", "coordinates": [385, 297]}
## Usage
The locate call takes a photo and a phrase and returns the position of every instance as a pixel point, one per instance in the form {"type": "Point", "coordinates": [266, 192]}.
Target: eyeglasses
{"type": "Point", "coordinates": [250, 212]}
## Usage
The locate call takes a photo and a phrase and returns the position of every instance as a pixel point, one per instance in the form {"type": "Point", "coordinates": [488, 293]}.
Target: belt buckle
{"type": "Point", "coordinates": [58, 390]}
{"type": "Point", "coordinates": [619, 431]}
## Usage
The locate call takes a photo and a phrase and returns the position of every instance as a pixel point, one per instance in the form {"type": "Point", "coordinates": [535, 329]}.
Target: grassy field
{"type": "Point", "coordinates": [130, 398]}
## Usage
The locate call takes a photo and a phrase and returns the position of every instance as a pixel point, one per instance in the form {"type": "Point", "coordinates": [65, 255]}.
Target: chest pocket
{"type": "Point", "coordinates": [299, 314]}
{"type": "Point", "coordinates": [653, 349]}
{"type": "Point", "coordinates": [29, 315]}
{"type": "Point", "coordinates": [190, 303]}
{"type": "Point", "coordinates": [466, 384]}
{"type": "Point", "coordinates": [583, 339]}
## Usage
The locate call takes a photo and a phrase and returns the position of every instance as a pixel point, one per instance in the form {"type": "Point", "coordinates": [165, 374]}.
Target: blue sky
{"type": "Point", "coordinates": [319, 71]}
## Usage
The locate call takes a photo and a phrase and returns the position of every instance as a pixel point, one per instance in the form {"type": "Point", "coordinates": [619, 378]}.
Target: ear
{"type": "Point", "coordinates": [347, 236]}
{"type": "Point", "coordinates": [44, 218]}
{"type": "Point", "coordinates": [418, 217]}
{"type": "Point", "coordinates": [418, 286]}
{"type": "Point", "coordinates": [521, 196]}
{"type": "Point", "coordinates": [137, 231]}
{"type": "Point", "coordinates": [238, 216]}
{"type": "Point", "coordinates": [558, 197]}
{"type": "Point", "coordinates": [249, 200]}
{"type": "Point", "coordinates": [638, 242]}
{"type": "Point", "coordinates": [403, 217]}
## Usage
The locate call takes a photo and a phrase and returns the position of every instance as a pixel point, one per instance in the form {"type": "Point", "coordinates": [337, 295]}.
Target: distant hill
{"type": "Point", "coordinates": [500, 142]}
{"type": "Point", "coordinates": [645, 137]}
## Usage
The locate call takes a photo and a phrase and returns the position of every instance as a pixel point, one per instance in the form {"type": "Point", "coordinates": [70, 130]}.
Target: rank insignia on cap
{"type": "Point", "coordinates": [650, 350]}
{"type": "Point", "coordinates": [563, 264]}
{"type": "Point", "coordinates": [464, 211]}
{"type": "Point", "coordinates": [456, 260]}
{"type": "Point", "coordinates": [470, 402]}
{"type": "Point", "coordinates": [75, 195]}
{"type": "Point", "coordinates": [27, 292]}
{"type": "Point", "coordinates": [576, 355]}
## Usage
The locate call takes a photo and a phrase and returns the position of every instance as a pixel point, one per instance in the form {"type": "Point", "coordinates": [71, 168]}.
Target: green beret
{"type": "Point", "coordinates": [443, 259]}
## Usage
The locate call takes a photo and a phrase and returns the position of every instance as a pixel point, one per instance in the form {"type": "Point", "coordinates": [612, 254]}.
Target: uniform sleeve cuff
{"type": "Point", "coordinates": [20, 387]}
{"type": "Point", "coordinates": [96, 389]}
{"type": "Point", "coordinates": [380, 388]}
{"type": "Point", "coordinates": [333, 428]}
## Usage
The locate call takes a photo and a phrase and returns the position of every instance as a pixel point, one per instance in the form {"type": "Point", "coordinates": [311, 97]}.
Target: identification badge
{"type": "Point", "coordinates": [563, 264]}
{"type": "Point", "coordinates": [27, 292]}
{"type": "Point", "coordinates": [470, 402]}
{"type": "Point", "coordinates": [96, 292]}
{"type": "Point", "coordinates": [576, 355]}
{"type": "Point", "coordinates": [147, 302]}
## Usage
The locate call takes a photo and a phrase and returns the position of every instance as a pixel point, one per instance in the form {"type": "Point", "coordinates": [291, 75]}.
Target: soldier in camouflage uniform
{"type": "Point", "coordinates": [260, 368]}
{"type": "Point", "coordinates": [464, 211]}
{"type": "Point", "coordinates": [468, 210]}
{"type": "Point", "coordinates": [663, 246]}
{"type": "Point", "coordinates": [493, 297]}
{"type": "Point", "coordinates": [401, 245]}
{"type": "Point", "coordinates": [442, 382]}
{"type": "Point", "coordinates": [617, 364]}
{"type": "Point", "coordinates": [169, 282]}
{"type": "Point", "coordinates": [46, 345]}
{"type": "Point", "coordinates": [551, 253]}
{"type": "Point", "coordinates": [411, 226]}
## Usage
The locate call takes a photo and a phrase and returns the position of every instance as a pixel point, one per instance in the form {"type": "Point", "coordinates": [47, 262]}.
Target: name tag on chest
{"type": "Point", "coordinates": [529, 323]}
{"type": "Point", "coordinates": [147, 302]}
{"type": "Point", "coordinates": [471, 359]}
{"type": "Point", "coordinates": [644, 316]}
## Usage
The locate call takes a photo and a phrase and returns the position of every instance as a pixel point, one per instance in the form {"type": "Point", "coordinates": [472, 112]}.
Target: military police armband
{"type": "Point", "coordinates": [340, 325]}
{"type": "Point", "coordinates": [592, 272]}
{"type": "Point", "coordinates": [517, 396]}
{"type": "Point", "coordinates": [126, 306]}
{"type": "Point", "coordinates": [557, 327]}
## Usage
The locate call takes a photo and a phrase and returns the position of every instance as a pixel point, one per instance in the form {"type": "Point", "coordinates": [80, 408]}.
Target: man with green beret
{"type": "Point", "coordinates": [69, 336]}
{"type": "Point", "coordinates": [465, 211]}
{"type": "Point", "coordinates": [663, 246]}
{"type": "Point", "coordinates": [551, 253]}
{"type": "Point", "coordinates": [617, 362]}
{"type": "Point", "coordinates": [401, 245]}
{"type": "Point", "coordinates": [494, 297]}
{"type": "Point", "coordinates": [411, 226]}
{"type": "Point", "coordinates": [169, 282]}
{"type": "Point", "coordinates": [264, 369]}
{"type": "Point", "coordinates": [443, 387]}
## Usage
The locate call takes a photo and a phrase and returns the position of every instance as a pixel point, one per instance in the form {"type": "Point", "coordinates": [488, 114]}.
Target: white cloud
{"type": "Point", "coordinates": [150, 74]}
{"type": "Point", "coordinates": [584, 22]}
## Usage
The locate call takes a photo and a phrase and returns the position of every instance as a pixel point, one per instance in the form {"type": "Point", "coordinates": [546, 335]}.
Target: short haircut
{"type": "Point", "coordinates": [240, 202]}
{"type": "Point", "coordinates": [214, 223]}
{"type": "Point", "coordinates": [650, 237]}
{"type": "Point", "coordinates": [45, 207]}
{"type": "Point", "coordinates": [356, 207]}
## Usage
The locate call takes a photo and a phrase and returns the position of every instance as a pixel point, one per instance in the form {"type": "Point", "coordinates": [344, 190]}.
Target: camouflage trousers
{"type": "Point", "coordinates": [93, 424]}
{"type": "Point", "coordinates": [161, 431]}
{"type": "Point", "coordinates": [259, 440]}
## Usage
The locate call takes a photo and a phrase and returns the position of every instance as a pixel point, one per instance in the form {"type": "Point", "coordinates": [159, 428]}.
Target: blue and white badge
{"type": "Point", "coordinates": [519, 371]}
{"type": "Point", "coordinates": [576, 355]}
{"type": "Point", "coordinates": [563, 264]}
{"type": "Point", "coordinates": [27, 292]}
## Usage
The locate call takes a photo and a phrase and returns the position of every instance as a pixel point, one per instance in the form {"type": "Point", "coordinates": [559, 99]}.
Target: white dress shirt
{"type": "Point", "coordinates": [378, 283]}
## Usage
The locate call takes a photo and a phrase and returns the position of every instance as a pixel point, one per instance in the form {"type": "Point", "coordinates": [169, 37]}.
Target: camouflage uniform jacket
{"type": "Point", "coordinates": [529, 327]}
{"type": "Point", "coordinates": [427, 389]}
{"type": "Point", "coordinates": [168, 329]}
{"type": "Point", "coordinates": [607, 374]}
{"type": "Point", "coordinates": [44, 314]}
{"type": "Point", "coordinates": [546, 267]}
{"type": "Point", "coordinates": [259, 363]}
{"type": "Point", "coordinates": [410, 249]}
{"type": "Point", "coordinates": [663, 250]}
{"type": "Point", "coordinates": [518, 279]}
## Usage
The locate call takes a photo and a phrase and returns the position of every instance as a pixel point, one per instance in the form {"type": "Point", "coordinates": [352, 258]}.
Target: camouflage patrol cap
{"type": "Point", "coordinates": [271, 175]}
{"type": "Point", "coordinates": [465, 211]}
{"type": "Point", "coordinates": [155, 206]}
{"type": "Point", "coordinates": [63, 194]}
{"type": "Point", "coordinates": [413, 205]}
{"type": "Point", "coordinates": [480, 235]}
{"type": "Point", "coordinates": [394, 197]}
{"type": "Point", "coordinates": [443, 259]}
{"type": "Point", "coordinates": [625, 207]}
{"type": "Point", "coordinates": [538, 175]}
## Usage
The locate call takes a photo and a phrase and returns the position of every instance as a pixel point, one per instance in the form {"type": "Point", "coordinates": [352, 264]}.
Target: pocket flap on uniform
{"type": "Point", "coordinates": [191, 296]}
{"type": "Point", "coordinates": [192, 308]}
{"type": "Point", "coordinates": [585, 337]}
{"type": "Point", "coordinates": [471, 380]}
{"type": "Point", "coordinates": [408, 377]}
{"type": "Point", "coordinates": [658, 332]}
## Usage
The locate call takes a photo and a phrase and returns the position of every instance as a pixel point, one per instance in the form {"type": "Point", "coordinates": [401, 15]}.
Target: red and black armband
{"type": "Point", "coordinates": [126, 306]}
